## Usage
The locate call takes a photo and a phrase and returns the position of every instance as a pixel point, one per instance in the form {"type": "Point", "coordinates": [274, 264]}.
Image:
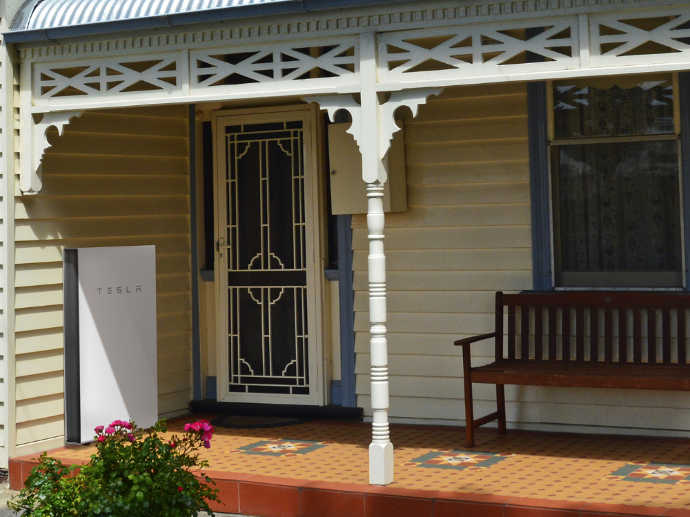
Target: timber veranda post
{"type": "Point", "coordinates": [381, 448]}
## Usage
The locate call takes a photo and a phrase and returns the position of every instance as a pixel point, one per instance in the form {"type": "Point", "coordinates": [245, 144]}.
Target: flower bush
{"type": "Point", "coordinates": [134, 473]}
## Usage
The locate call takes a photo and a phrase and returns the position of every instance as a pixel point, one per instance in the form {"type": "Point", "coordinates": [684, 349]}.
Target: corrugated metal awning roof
{"type": "Point", "coordinates": [40, 20]}
{"type": "Point", "coordinates": [49, 19]}
{"type": "Point", "coordinates": [60, 13]}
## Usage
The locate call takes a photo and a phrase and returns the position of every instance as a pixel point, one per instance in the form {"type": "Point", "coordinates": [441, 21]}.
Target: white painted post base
{"type": "Point", "coordinates": [380, 463]}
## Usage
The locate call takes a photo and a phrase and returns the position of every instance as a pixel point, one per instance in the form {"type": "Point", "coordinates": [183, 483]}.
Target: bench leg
{"type": "Point", "coordinates": [469, 407]}
{"type": "Point", "coordinates": [469, 414]}
{"type": "Point", "coordinates": [501, 403]}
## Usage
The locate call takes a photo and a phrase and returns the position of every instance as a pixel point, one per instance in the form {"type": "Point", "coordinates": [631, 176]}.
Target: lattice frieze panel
{"type": "Point", "coordinates": [640, 37]}
{"type": "Point", "coordinates": [334, 61]}
{"type": "Point", "coordinates": [112, 77]}
{"type": "Point", "coordinates": [479, 50]}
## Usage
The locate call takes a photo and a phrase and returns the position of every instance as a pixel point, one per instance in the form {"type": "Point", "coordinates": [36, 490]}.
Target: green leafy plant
{"type": "Point", "coordinates": [134, 473]}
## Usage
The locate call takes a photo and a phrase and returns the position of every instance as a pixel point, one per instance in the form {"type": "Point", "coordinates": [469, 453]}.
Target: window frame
{"type": "Point", "coordinates": [541, 131]}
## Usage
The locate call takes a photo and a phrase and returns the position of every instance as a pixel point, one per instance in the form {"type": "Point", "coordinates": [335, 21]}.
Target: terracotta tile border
{"type": "Point", "coordinates": [270, 496]}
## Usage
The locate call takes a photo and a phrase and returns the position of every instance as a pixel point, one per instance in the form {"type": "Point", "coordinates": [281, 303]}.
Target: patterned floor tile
{"type": "Point", "coordinates": [664, 473]}
{"type": "Point", "coordinates": [281, 447]}
{"type": "Point", "coordinates": [559, 467]}
{"type": "Point", "coordinates": [458, 460]}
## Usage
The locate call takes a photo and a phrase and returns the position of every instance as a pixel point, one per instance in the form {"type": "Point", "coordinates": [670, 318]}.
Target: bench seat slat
{"type": "Point", "coordinates": [681, 335]}
{"type": "Point", "coordinates": [600, 298]}
{"type": "Point", "coordinates": [561, 373]}
{"type": "Point", "coordinates": [565, 345]}
{"type": "Point", "coordinates": [666, 334]}
{"type": "Point", "coordinates": [623, 335]}
{"type": "Point", "coordinates": [538, 333]}
{"type": "Point", "coordinates": [608, 334]}
{"type": "Point", "coordinates": [524, 332]}
{"type": "Point", "coordinates": [594, 334]}
{"type": "Point", "coordinates": [651, 335]}
{"type": "Point", "coordinates": [637, 335]}
{"type": "Point", "coordinates": [552, 331]}
{"type": "Point", "coordinates": [580, 333]}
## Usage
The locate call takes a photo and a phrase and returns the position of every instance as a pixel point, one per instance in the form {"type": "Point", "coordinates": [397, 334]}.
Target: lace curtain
{"type": "Point", "coordinates": [618, 202]}
{"type": "Point", "coordinates": [592, 112]}
{"type": "Point", "coordinates": [619, 207]}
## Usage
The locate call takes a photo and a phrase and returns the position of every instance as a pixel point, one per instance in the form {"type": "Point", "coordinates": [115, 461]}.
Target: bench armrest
{"type": "Point", "coordinates": [474, 339]}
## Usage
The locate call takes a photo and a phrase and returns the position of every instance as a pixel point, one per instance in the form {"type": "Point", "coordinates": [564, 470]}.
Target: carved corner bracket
{"type": "Point", "coordinates": [30, 181]}
{"type": "Point", "coordinates": [384, 121]}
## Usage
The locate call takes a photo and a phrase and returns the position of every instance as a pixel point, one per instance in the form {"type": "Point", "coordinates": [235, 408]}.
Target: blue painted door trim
{"type": "Point", "coordinates": [347, 311]}
{"type": "Point", "coordinates": [196, 339]}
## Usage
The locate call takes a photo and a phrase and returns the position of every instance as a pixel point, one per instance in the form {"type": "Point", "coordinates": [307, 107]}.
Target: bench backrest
{"type": "Point", "coordinates": [591, 326]}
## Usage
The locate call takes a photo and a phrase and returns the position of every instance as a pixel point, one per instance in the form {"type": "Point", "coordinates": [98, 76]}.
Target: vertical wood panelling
{"type": "Point", "coordinates": [115, 178]}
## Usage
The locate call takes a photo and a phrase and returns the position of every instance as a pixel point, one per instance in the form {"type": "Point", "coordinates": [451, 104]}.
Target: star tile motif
{"type": "Point", "coordinates": [458, 460]}
{"type": "Point", "coordinates": [664, 473]}
{"type": "Point", "coordinates": [283, 447]}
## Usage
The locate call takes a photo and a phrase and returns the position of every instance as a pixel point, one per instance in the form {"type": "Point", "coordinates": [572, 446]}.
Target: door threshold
{"type": "Point", "coordinates": [277, 410]}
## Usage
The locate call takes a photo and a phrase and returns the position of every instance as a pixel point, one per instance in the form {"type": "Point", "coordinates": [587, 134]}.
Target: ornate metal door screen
{"type": "Point", "coordinates": [263, 254]}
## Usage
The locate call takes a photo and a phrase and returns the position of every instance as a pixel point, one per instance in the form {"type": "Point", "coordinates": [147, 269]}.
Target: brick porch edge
{"type": "Point", "coordinates": [267, 496]}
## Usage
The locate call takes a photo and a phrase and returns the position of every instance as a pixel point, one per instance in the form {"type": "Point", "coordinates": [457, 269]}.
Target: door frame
{"type": "Point", "coordinates": [313, 187]}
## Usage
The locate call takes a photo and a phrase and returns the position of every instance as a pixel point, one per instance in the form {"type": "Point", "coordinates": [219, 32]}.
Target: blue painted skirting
{"type": "Point", "coordinates": [211, 387]}
{"type": "Point", "coordinates": [337, 393]}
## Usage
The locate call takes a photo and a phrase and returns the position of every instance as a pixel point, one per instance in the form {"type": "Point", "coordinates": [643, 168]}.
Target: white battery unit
{"type": "Point", "coordinates": [110, 338]}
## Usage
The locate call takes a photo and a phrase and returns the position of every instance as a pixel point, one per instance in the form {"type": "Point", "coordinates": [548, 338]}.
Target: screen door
{"type": "Point", "coordinates": [265, 249]}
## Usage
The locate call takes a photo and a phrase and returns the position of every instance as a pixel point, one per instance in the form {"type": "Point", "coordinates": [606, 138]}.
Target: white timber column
{"type": "Point", "coordinates": [381, 448]}
{"type": "Point", "coordinates": [373, 126]}
{"type": "Point", "coordinates": [375, 175]}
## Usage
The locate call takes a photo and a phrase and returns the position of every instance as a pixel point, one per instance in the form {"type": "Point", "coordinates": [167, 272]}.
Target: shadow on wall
{"type": "Point", "coordinates": [114, 178]}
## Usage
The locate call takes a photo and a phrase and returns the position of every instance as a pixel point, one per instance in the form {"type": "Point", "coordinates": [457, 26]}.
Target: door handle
{"type": "Point", "coordinates": [221, 247]}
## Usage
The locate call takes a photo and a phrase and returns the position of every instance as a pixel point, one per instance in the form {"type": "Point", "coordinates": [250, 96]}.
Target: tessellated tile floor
{"type": "Point", "coordinates": [320, 469]}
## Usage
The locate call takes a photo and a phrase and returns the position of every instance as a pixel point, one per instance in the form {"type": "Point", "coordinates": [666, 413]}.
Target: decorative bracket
{"type": "Point", "coordinates": [385, 125]}
{"type": "Point", "coordinates": [30, 181]}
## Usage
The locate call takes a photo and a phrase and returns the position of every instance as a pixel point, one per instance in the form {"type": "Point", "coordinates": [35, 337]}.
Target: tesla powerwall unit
{"type": "Point", "coordinates": [110, 338]}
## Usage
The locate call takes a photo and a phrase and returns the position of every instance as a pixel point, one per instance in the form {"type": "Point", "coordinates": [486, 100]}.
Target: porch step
{"type": "Point", "coordinates": [277, 410]}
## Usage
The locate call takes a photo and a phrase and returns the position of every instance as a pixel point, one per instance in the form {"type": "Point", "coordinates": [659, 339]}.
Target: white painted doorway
{"type": "Point", "coordinates": [267, 268]}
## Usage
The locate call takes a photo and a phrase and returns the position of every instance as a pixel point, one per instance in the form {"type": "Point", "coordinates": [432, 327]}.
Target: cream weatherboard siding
{"type": "Point", "coordinates": [115, 178]}
{"type": "Point", "coordinates": [6, 178]}
{"type": "Point", "coordinates": [466, 235]}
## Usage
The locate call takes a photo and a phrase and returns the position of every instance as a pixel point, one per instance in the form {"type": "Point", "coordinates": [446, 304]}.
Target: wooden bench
{"type": "Point", "coordinates": [582, 349]}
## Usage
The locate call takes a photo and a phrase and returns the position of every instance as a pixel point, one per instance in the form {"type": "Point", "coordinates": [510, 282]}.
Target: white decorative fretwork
{"type": "Point", "coordinates": [629, 38]}
{"type": "Point", "coordinates": [110, 77]}
{"type": "Point", "coordinates": [386, 124]}
{"type": "Point", "coordinates": [480, 50]}
{"type": "Point", "coordinates": [273, 63]}
{"type": "Point", "coordinates": [30, 176]}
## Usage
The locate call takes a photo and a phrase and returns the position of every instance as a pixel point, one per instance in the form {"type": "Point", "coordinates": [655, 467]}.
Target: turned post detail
{"type": "Point", "coordinates": [381, 448]}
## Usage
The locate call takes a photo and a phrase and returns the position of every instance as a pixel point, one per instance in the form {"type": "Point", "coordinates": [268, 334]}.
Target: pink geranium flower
{"type": "Point", "coordinates": [99, 429]}
{"type": "Point", "coordinates": [101, 438]}
{"type": "Point", "coordinates": [207, 444]}
{"type": "Point", "coordinates": [196, 426]}
{"type": "Point", "coordinates": [126, 425]}
{"type": "Point", "coordinates": [187, 427]}
{"type": "Point", "coordinates": [130, 437]}
{"type": "Point", "coordinates": [109, 430]}
{"type": "Point", "coordinates": [206, 437]}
